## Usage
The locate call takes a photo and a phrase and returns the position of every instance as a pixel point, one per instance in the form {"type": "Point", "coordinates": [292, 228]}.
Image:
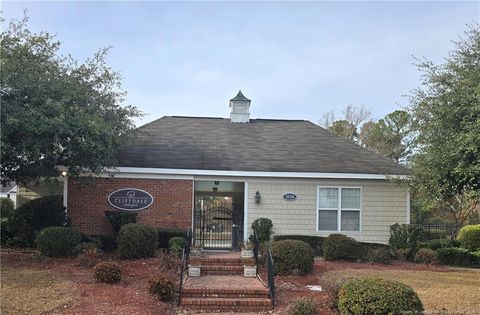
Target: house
{"type": "Point", "coordinates": [218, 175]}
{"type": "Point", "coordinates": [9, 191]}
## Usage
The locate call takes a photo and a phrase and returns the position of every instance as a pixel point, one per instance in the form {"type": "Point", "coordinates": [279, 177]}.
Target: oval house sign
{"type": "Point", "coordinates": [289, 196]}
{"type": "Point", "coordinates": [130, 199]}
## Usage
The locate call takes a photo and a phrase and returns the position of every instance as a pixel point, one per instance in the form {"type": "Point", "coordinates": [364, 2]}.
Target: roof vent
{"type": "Point", "coordinates": [240, 109]}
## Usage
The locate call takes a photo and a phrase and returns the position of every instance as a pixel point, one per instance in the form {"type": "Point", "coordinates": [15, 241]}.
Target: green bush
{"type": "Point", "coordinates": [35, 215]}
{"type": "Point", "coordinates": [370, 296]}
{"type": "Point", "coordinates": [456, 256]}
{"type": "Point", "coordinates": [291, 256]}
{"type": "Point", "coordinates": [137, 240]}
{"type": "Point", "coordinates": [438, 243]}
{"type": "Point", "coordinates": [404, 237]}
{"type": "Point", "coordinates": [379, 255]}
{"type": "Point", "coordinates": [58, 241]}
{"type": "Point", "coordinates": [426, 256]}
{"type": "Point", "coordinates": [5, 235]}
{"type": "Point", "coordinates": [303, 306]}
{"type": "Point", "coordinates": [6, 207]}
{"type": "Point", "coordinates": [165, 234]}
{"type": "Point", "coordinates": [339, 246]}
{"type": "Point", "coordinates": [162, 288]}
{"type": "Point", "coordinates": [118, 218]}
{"type": "Point", "coordinates": [314, 241]}
{"type": "Point", "coordinates": [107, 272]}
{"type": "Point", "coordinates": [176, 244]}
{"type": "Point", "coordinates": [469, 237]}
{"type": "Point", "coordinates": [264, 227]}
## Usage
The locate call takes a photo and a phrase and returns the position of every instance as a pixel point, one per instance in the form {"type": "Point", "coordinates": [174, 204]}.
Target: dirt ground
{"type": "Point", "coordinates": [32, 285]}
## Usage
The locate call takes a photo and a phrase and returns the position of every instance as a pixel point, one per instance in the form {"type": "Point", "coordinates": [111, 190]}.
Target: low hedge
{"type": "Point", "coordinates": [58, 241]}
{"type": "Point", "coordinates": [136, 241]}
{"type": "Point", "coordinates": [469, 236]}
{"type": "Point", "coordinates": [165, 234]}
{"type": "Point", "coordinates": [292, 256]}
{"type": "Point", "coordinates": [371, 296]}
{"type": "Point", "coordinates": [457, 257]}
{"type": "Point", "coordinates": [314, 241]}
{"type": "Point", "coordinates": [439, 243]}
{"type": "Point", "coordinates": [342, 247]}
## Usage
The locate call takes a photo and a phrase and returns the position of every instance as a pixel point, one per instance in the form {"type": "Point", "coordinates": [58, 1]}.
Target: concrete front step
{"type": "Point", "coordinates": [226, 292]}
{"type": "Point", "coordinates": [235, 304]}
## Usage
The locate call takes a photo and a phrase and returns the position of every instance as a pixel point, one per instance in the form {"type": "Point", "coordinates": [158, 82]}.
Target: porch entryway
{"type": "Point", "coordinates": [218, 214]}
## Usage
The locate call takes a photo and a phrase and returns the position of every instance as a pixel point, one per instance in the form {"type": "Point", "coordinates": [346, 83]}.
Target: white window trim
{"type": "Point", "coordinates": [339, 210]}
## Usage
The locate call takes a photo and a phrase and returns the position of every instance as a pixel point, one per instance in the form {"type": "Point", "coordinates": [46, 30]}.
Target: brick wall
{"type": "Point", "coordinates": [172, 206]}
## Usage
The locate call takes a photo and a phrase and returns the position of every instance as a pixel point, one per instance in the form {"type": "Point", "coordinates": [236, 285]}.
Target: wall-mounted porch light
{"type": "Point", "coordinates": [64, 173]}
{"type": "Point", "coordinates": [257, 197]}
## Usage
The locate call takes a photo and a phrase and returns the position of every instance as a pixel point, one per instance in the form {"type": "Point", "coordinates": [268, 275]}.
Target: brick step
{"type": "Point", "coordinates": [236, 304]}
{"type": "Point", "coordinates": [221, 270]}
{"type": "Point", "coordinates": [225, 292]}
{"type": "Point", "coordinates": [221, 261]}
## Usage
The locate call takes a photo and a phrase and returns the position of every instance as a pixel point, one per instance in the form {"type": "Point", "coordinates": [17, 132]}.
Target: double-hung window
{"type": "Point", "coordinates": [339, 209]}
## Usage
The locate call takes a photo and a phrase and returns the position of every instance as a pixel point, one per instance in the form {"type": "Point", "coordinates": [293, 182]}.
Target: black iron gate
{"type": "Point", "coordinates": [216, 227]}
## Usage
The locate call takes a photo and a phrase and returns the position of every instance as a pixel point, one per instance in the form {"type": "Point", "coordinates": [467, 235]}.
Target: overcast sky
{"type": "Point", "coordinates": [294, 60]}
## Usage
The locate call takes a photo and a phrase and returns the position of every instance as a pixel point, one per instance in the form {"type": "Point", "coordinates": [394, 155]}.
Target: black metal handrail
{"type": "Point", "coordinates": [271, 276]}
{"type": "Point", "coordinates": [184, 263]}
{"type": "Point", "coordinates": [256, 245]}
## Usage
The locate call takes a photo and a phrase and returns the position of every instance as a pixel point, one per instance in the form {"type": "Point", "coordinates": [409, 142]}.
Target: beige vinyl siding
{"type": "Point", "coordinates": [382, 204]}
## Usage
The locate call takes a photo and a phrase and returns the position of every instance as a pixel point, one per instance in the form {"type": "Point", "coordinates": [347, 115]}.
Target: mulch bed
{"type": "Point", "coordinates": [127, 297]}
{"type": "Point", "coordinates": [130, 295]}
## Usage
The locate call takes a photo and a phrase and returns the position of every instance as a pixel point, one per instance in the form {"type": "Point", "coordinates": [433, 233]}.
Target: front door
{"type": "Point", "coordinates": [215, 224]}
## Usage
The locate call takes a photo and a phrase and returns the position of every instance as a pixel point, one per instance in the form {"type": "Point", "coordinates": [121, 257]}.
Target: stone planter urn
{"type": "Point", "coordinates": [194, 271]}
{"type": "Point", "coordinates": [247, 253]}
{"type": "Point", "coordinates": [249, 271]}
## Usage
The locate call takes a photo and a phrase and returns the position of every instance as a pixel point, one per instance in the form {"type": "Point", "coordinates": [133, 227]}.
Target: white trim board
{"type": "Point", "coordinates": [140, 172]}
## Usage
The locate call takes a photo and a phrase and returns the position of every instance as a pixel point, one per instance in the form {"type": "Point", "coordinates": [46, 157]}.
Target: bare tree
{"type": "Point", "coordinates": [347, 126]}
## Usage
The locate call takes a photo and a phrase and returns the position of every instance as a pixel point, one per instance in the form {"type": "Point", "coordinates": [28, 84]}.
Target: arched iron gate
{"type": "Point", "coordinates": [215, 228]}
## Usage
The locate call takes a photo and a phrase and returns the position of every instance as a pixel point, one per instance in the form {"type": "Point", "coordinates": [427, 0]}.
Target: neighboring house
{"type": "Point", "coordinates": [9, 191]}
{"type": "Point", "coordinates": [217, 175]}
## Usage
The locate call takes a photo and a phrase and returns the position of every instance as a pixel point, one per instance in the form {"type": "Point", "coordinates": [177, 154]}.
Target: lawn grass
{"type": "Point", "coordinates": [31, 291]}
{"type": "Point", "coordinates": [455, 291]}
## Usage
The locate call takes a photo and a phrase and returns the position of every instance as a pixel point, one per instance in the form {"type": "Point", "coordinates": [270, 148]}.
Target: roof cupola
{"type": "Point", "coordinates": [240, 109]}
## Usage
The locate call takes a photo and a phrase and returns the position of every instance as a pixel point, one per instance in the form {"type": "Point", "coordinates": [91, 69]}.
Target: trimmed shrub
{"type": "Point", "coordinates": [314, 241]}
{"type": "Point", "coordinates": [58, 241]}
{"type": "Point", "coordinates": [35, 215]}
{"type": "Point", "coordinates": [107, 272]}
{"type": "Point", "coordinates": [176, 244]}
{"type": "Point", "coordinates": [404, 237]}
{"type": "Point", "coordinates": [162, 288]}
{"type": "Point", "coordinates": [456, 256]}
{"type": "Point", "coordinates": [118, 218]}
{"type": "Point", "coordinates": [370, 296]}
{"type": "Point", "coordinates": [165, 234]}
{"type": "Point", "coordinates": [426, 256]}
{"type": "Point", "coordinates": [6, 207]}
{"type": "Point", "coordinates": [339, 246]}
{"type": "Point", "coordinates": [303, 306]}
{"type": "Point", "coordinates": [439, 243]}
{"type": "Point", "coordinates": [137, 240]}
{"type": "Point", "coordinates": [264, 227]}
{"type": "Point", "coordinates": [291, 256]}
{"type": "Point", "coordinates": [379, 255]}
{"type": "Point", "coordinates": [469, 237]}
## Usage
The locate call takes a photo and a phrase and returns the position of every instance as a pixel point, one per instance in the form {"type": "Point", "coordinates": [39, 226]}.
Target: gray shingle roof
{"type": "Point", "coordinates": [261, 145]}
